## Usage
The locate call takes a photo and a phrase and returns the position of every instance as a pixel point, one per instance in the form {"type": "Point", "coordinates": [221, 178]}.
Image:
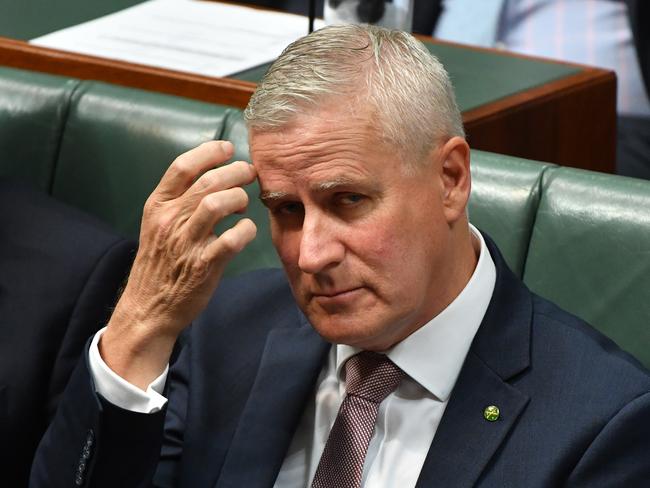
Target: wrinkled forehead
{"type": "Point", "coordinates": [334, 117]}
{"type": "Point", "coordinates": [325, 149]}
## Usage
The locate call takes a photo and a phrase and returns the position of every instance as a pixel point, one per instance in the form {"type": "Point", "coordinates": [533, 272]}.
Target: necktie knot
{"type": "Point", "coordinates": [371, 376]}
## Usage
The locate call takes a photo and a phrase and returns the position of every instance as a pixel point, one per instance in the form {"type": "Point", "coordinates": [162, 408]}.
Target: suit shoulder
{"type": "Point", "coordinates": [38, 217]}
{"type": "Point", "coordinates": [259, 297]}
{"type": "Point", "coordinates": [234, 327]}
{"type": "Point", "coordinates": [584, 353]}
{"type": "Point", "coordinates": [267, 283]}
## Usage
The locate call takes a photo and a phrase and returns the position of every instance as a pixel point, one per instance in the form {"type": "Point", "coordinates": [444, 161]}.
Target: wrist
{"type": "Point", "coordinates": [136, 350]}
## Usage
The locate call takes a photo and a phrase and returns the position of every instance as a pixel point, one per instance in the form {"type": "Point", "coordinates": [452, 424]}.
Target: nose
{"type": "Point", "coordinates": [320, 243]}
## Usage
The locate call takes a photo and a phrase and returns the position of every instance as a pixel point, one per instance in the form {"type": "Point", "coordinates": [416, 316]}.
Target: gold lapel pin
{"type": "Point", "coordinates": [491, 413]}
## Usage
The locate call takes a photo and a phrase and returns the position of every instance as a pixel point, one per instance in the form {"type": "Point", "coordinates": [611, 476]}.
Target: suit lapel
{"type": "Point", "coordinates": [465, 441]}
{"type": "Point", "coordinates": [289, 367]}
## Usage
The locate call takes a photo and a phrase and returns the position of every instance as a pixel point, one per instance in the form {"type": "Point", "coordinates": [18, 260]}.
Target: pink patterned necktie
{"type": "Point", "coordinates": [370, 377]}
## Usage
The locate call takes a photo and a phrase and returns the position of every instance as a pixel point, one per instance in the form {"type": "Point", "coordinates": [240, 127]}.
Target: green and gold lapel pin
{"type": "Point", "coordinates": [491, 413]}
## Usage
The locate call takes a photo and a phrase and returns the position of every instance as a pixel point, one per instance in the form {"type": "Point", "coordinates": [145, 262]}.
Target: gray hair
{"type": "Point", "coordinates": [406, 88]}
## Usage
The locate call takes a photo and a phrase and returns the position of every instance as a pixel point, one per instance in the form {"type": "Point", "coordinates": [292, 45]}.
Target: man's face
{"type": "Point", "coordinates": [366, 246]}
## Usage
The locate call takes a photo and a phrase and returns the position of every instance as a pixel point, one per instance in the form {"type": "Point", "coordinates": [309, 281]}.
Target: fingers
{"type": "Point", "coordinates": [180, 260]}
{"type": "Point", "coordinates": [224, 247]}
{"type": "Point", "coordinates": [188, 166]}
{"type": "Point", "coordinates": [214, 207]}
{"type": "Point", "coordinates": [232, 175]}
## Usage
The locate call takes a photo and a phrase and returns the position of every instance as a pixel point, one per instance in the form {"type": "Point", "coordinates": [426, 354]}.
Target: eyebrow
{"type": "Point", "coordinates": [328, 185]}
{"type": "Point", "coordinates": [270, 196]}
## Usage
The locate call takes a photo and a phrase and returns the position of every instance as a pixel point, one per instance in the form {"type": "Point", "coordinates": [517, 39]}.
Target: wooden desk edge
{"type": "Point", "coordinates": [555, 89]}
{"type": "Point", "coordinates": [226, 91]}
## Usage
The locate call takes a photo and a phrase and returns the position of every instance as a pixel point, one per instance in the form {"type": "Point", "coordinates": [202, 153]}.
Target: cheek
{"type": "Point", "coordinates": [381, 247]}
{"type": "Point", "coordinates": [402, 251]}
{"type": "Point", "coordinates": [287, 245]}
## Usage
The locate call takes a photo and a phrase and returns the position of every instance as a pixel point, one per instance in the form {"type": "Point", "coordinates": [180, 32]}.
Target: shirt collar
{"type": "Point", "coordinates": [434, 354]}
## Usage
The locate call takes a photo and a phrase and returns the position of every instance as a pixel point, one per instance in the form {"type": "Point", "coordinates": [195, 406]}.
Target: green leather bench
{"type": "Point", "coordinates": [581, 239]}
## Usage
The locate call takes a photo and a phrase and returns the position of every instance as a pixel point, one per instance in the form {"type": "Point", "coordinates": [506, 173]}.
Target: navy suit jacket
{"type": "Point", "coordinates": [60, 271]}
{"type": "Point", "coordinates": [575, 410]}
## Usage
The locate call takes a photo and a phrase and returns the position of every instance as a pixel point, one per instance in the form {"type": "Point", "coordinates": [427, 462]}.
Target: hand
{"type": "Point", "coordinates": [180, 261]}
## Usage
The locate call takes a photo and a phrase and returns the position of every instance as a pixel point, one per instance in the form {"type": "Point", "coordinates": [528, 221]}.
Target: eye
{"type": "Point", "coordinates": [288, 208]}
{"type": "Point", "coordinates": [350, 199]}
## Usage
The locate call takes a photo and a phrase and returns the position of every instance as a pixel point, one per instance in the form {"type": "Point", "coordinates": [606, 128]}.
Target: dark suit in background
{"type": "Point", "coordinates": [634, 132]}
{"type": "Point", "coordinates": [573, 406]}
{"type": "Point", "coordinates": [59, 274]}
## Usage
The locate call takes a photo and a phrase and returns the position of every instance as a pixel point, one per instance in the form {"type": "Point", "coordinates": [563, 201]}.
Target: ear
{"type": "Point", "coordinates": [456, 178]}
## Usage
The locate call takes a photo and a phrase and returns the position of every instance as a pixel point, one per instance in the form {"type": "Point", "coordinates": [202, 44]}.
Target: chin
{"type": "Point", "coordinates": [335, 329]}
{"type": "Point", "coordinates": [338, 330]}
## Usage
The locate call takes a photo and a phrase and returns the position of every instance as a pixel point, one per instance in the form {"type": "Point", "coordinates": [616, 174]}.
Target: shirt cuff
{"type": "Point", "coordinates": [120, 392]}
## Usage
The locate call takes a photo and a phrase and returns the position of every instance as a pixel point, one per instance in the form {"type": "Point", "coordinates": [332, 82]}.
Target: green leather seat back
{"type": "Point", "coordinates": [504, 200]}
{"type": "Point", "coordinates": [590, 253]}
{"type": "Point", "coordinates": [117, 144]}
{"type": "Point", "coordinates": [33, 108]}
{"type": "Point", "coordinates": [260, 253]}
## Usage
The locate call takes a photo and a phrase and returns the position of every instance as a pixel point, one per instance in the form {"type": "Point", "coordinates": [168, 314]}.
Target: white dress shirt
{"type": "Point", "coordinates": [407, 419]}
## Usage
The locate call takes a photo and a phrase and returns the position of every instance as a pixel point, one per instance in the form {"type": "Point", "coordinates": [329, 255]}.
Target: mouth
{"type": "Point", "coordinates": [340, 297]}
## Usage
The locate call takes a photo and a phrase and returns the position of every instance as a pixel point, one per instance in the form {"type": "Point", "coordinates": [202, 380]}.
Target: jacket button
{"type": "Point", "coordinates": [90, 438]}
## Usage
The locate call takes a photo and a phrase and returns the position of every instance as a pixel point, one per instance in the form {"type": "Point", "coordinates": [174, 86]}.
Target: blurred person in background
{"type": "Point", "coordinates": [612, 34]}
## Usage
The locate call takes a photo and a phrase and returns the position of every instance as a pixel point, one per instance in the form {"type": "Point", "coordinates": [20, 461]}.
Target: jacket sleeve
{"type": "Point", "coordinates": [93, 443]}
{"type": "Point", "coordinates": [618, 456]}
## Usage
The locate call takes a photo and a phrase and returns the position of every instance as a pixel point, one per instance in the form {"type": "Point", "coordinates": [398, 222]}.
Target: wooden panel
{"type": "Point", "coordinates": [571, 122]}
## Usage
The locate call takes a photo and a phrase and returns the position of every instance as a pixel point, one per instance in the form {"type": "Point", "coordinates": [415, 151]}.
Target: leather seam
{"type": "Point", "coordinates": [219, 134]}
{"type": "Point", "coordinates": [61, 132]}
{"type": "Point", "coordinates": [540, 188]}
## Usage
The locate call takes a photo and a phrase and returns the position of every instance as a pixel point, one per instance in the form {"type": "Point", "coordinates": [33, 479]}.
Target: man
{"type": "Point", "coordinates": [358, 146]}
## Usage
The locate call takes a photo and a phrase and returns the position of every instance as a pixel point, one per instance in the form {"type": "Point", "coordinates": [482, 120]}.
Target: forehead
{"type": "Point", "coordinates": [334, 143]}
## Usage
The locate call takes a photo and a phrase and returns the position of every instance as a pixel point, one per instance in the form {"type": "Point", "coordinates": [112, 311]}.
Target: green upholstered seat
{"type": "Point", "coordinates": [504, 200]}
{"type": "Point", "coordinates": [576, 237]}
{"type": "Point", "coordinates": [33, 108]}
{"type": "Point", "coordinates": [590, 253]}
{"type": "Point", "coordinates": [117, 144]}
